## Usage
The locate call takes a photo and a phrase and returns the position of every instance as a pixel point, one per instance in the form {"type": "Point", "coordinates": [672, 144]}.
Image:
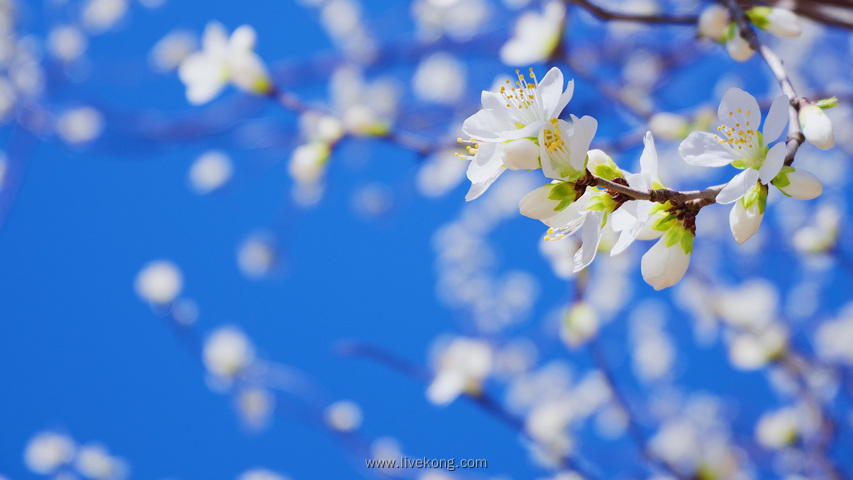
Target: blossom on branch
{"type": "Point", "coordinates": [513, 114]}
{"type": "Point", "coordinates": [223, 60]}
{"type": "Point", "coordinates": [740, 144]}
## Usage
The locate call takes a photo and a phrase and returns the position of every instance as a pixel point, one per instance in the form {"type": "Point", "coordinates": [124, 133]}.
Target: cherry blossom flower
{"type": "Point", "coordinates": [817, 127]}
{"type": "Point", "coordinates": [513, 114]}
{"type": "Point", "coordinates": [461, 367]}
{"type": "Point", "coordinates": [631, 217]}
{"type": "Point", "coordinates": [740, 144]}
{"type": "Point", "coordinates": [223, 60]}
{"type": "Point", "coordinates": [535, 36]}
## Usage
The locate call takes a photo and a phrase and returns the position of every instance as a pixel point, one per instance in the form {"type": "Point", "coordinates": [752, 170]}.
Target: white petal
{"type": "Point", "coordinates": [584, 130]}
{"type": "Point", "coordinates": [663, 267]}
{"type": "Point", "coordinates": [564, 99]}
{"type": "Point", "coordinates": [591, 236]}
{"type": "Point", "coordinates": [536, 204]}
{"type": "Point", "coordinates": [738, 186]}
{"type": "Point", "coordinates": [744, 222]}
{"type": "Point", "coordinates": [248, 72]}
{"type": "Point", "coordinates": [772, 163]}
{"type": "Point", "coordinates": [649, 158]}
{"type": "Point", "coordinates": [737, 103]}
{"type": "Point", "coordinates": [784, 23]}
{"type": "Point", "coordinates": [629, 223]}
{"type": "Point", "coordinates": [550, 90]}
{"type": "Point", "coordinates": [521, 154]}
{"type": "Point", "coordinates": [484, 169]}
{"type": "Point", "coordinates": [214, 40]}
{"type": "Point", "coordinates": [492, 101]}
{"type": "Point", "coordinates": [804, 185]}
{"type": "Point", "coordinates": [704, 149]}
{"type": "Point", "coordinates": [776, 119]}
{"type": "Point", "coordinates": [531, 130]}
{"type": "Point", "coordinates": [243, 39]}
{"type": "Point", "coordinates": [485, 125]}
{"type": "Point", "coordinates": [739, 48]}
{"type": "Point", "coordinates": [817, 127]}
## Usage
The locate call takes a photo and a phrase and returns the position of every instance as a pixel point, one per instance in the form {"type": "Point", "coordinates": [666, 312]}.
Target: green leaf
{"type": "Point", "coordinates": [687, 243]}
{"type": "Point", "coordinates": [827, 103]}
{"type": "Point", "coordinates": [758, 16]}
{"type": "Point", "coordinates": [673, 236]}
{"type": "Point", "coordinates": [662, 224]}
{"type": "Point", "coordinates": [562, 191]}
{"type": "Point", "coordinates": [762, 198]}
{"type": "Point", "coordinates": [596, 204]}
{"type": "Point", "coordinates": [605, 171]}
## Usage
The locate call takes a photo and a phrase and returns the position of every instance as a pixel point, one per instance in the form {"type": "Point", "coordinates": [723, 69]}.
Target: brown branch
{"type": "Point", "coordinates": [628, 17]}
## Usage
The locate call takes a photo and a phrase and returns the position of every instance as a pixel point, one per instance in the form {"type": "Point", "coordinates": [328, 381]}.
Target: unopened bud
{"type": "Point", "coordinates": [816, 127]}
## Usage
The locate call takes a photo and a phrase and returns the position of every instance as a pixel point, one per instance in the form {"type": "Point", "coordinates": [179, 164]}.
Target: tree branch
{"type": "Point", "coordinates": [628, 17]}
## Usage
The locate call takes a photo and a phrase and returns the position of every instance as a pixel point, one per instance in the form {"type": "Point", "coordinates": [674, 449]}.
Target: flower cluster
{"type": "Point", "coordinates": [520, 128]}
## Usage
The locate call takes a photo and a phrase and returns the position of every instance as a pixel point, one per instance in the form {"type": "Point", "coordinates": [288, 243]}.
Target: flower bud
{"type": "Point", "coordinates": [714, 22]}
{"type": "Point", "coordinates": [777, 21]}
{"type": "Point", "coordinates": [669, 126]}
{"type": "Point", "coordinates": [802, 184]}
{"type": "Point", "coordinates": [521, 154]}
{"type": "Point", "coordinates": [739, 48]}
{"type": "Point", "coordinates": [664, 266]}
{"type": "Point", "coordinates": [745, 221]}
{"type": "Point", "coordinates": [580, 323]}
{"type": "Point", "coordinates": [816, 127]}
{"type": "Point", "coordinates": [308, 162]}
{"type": "Point", "coordinates": [779, 429]}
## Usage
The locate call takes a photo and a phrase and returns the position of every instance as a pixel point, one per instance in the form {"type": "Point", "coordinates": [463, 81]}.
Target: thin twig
{"type": "Point", "coordinates": [629, 17]}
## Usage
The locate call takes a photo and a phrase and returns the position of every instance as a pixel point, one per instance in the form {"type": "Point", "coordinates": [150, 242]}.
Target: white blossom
{"type": "Point", "coordinates": [817, 127]}
{"type": "Point", "coordinates": [223, 60]}
{"type": "Point", "coordinates": [664, 266]}
{"type": "Point", "coordinates": [48, 451]}
{"type": "Point", "coordinates": [778, 429]}
{"type": "Point", "coordinates": [738, 47]}
{"type": "Point", "coordinates": [261, 474]}
{"type": "Point", "coordinates": [512, 114]}
{"type": "Point", "coordinates": [95, 462]}
{"type": "Point", "coordinates": [778, 21]}
{"type": "Point", "coordinates": [159, 282]}
{"type": "Point", "coordinates": [714, 22]}
{"type": "Point", "coordinates": [739, 143]}
{"type": "Point", "coordinates": [227, 352]}
{"type": "Point", "coordinates": [210, 171]}
{"type": "Point", "coordinates": [461, 367]}
{"type": "Point", "coordinates": [343, 416]}
{"type": "Point", "coordinates": [535, 36]}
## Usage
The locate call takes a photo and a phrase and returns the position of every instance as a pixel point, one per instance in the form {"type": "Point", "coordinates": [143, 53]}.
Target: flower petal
{"type": "Point", "coordinates": [629, 223]}
{"type": "Point", "coordinates": [704, 149]}
{"type": "Point", "coordinates": [772, 163]}
{"type": "Point", "coordinates": [776, 119]}
{"type": "Point", "coordinates": [243, 39]}
{"type": "Point", "coordinates": [564, 99]}
{"type": "Point", "coordinates": [550, 90]}
{"type": "Point", "coordinates": [536, 204]}
{"type": "Point", "coordinates": [738, 106]}
{"type": "Point", "coordinates": [738, 186]}
{"type": "Point", "coordinates": [663, 267]}
{"type": "Point", "coordinates": [649, 158]}
{"type": "Point", "coordinates": [214, 40]}
{"type": "Point", "coordinates": [485, 125]}
{"type": "Point", "coordinates": [584, 130]}
{"type": "Point", "coordinates": [484, 169]}
{"type": "Point", "coordinates": [744, 223]}
{"type": "Point", "coordinates": [591, 236]}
